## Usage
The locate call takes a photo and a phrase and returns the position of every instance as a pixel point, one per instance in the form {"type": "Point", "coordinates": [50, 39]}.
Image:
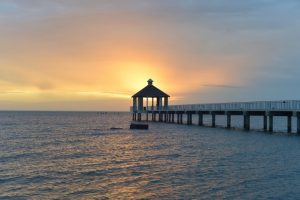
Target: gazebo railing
{"type": "Point", "coordinates": [150, 109]}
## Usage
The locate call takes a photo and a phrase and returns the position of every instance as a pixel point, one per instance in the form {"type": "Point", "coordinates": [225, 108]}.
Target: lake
{"type": "Point", "coordinates": [76, 155]}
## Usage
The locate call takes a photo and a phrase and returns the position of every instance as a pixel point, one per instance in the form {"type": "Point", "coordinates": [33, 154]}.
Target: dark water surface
{"type": "Point", "coordinates": [75, 155]}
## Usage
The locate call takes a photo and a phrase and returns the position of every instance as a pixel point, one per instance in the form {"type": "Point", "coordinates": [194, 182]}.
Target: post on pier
{"type": "Point", "coordinates": [246, 121]}
{"type": "Point", "coordinates": [228, 120]}
{"type": "Point", "coordinates": [189, 118]}
{"type": "Point", "coordinates": [270, 123]}
{"type": "Point", "coordinates": [181, 118]}
{"type": "Point", "coordinates": [200, 119]}
{"type": "Point", "coordinates": [160, 117]}
{"type": "Point", "coordinates": [166, 116]}
{"type": "Point", "coordinates": [213, 119]}
{"type": "Point", "coordinates": [265, 122]}
{"type": "Point", "coordinates": [289, 124]}
{"type": "Point", "coordinates": [298, 123]}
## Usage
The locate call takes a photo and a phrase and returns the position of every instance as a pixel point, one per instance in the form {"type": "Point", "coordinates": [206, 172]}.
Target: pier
{"type": "Point", "coordinates": [267, 110]}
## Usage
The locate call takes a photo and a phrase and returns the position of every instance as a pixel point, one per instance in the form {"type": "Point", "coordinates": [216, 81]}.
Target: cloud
{"type": "Point", "coordinates": [221, 86]}
{"type": "Point", "coordinates": [113, 45]}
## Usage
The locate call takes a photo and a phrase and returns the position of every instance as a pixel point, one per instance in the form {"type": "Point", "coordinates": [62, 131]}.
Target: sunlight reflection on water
{"type": "Point", "coordinates": [63, 155]}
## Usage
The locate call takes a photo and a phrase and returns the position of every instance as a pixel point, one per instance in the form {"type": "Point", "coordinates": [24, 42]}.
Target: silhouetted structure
{"type": "Point", "coordinates": [170, 114]}
{"type": "Point", "coordinates": [159, 101]}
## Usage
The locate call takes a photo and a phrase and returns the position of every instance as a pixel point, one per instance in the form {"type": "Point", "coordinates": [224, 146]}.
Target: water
{"type": "Point", "coordinates": [75, 155]}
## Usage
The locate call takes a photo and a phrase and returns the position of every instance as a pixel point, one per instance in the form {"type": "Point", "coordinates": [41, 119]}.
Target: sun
{"type": "Point", "coordinates": [134, 76]}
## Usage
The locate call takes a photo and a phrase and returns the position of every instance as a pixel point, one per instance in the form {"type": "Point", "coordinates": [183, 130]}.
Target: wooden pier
{"type": "Point", "coordinates": [267, 110]}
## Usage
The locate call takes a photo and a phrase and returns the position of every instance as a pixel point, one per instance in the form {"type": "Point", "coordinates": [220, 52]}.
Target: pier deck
{"type": "Point", "coordinates": [266, 109]}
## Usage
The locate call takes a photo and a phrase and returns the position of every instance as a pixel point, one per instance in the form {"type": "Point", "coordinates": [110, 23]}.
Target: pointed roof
{"type": "Point", "coordinates": [150, 91]}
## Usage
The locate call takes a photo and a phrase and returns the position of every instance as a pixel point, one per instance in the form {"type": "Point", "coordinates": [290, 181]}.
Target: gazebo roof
{"type": "Point", "coordinates": [150, 91]}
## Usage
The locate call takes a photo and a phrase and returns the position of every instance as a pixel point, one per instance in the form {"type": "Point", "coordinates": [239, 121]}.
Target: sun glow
{"type": "Point", "coordinates": [133, 76]}
{"type": "Point", "coordinates": [102, 64]}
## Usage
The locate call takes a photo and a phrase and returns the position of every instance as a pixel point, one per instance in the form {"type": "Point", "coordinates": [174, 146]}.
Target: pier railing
{"type": "Point", "coordinates": [267, 109]}
{"type": "Point", "coordinates": [288, 105]}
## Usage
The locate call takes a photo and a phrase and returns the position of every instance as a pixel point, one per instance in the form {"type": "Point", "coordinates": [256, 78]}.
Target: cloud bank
{"type": "Point", "coordinates": [202, 51]}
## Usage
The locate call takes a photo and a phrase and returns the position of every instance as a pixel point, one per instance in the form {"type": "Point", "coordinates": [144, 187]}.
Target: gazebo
{"type": "Point", "coordinates": [153, 98]}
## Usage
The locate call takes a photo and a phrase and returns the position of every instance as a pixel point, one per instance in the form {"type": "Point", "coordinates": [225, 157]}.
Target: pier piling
{"type": "Point", "coordinates": [200, 119]}
{"type": "Point", "coordinates": [213, 120]}
{"type": "Point", "coordinates": [266, 109]}
{"type": "Point", "coordinates": [289, 124]}
{"type": "Point", "coordinates": [270, 123]}
{"type": "Point", "coordinates": [298, 123]}
{"type": "Point", "coordinates": [190, 117]}
{"type": "Point", "coordinates": [246, 121]}
{"type": "Point", "coordinates": [265, 122]}
{"type": "Point", "coordinates": [228, 121]}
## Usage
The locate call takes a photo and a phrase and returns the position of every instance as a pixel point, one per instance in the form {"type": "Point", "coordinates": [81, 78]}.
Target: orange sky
{"type": "Point", "coordinates": [69, 55]}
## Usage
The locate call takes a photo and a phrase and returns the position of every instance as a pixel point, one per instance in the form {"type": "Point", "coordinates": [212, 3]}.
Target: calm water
{"type": "Point", "coordinates": [75, 155]}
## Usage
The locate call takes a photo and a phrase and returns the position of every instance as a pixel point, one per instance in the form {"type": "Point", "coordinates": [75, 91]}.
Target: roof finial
{"type": "Point", "coordinates": [150, 81]}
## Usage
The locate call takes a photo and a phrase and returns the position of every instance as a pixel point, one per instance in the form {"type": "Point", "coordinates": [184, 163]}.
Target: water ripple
{"type": "Point", "coordinates": [49, 155]}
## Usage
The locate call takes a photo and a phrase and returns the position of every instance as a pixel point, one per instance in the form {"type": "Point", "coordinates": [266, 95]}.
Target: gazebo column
{"type": "Point", "coordinates": [147, 108]}
{"type": "Point", "coordinates": [166, 104]}
{"type": "Point", "coordinates": [152, 104]}
{"type": "Point", "coordinates": [134, 109]}
{"type": "Point", "coordinates": [140, 108]}
{"type": "Point", "coordinates": [159, 103]}
{"type": "Point", "coordinates": [140, 104]}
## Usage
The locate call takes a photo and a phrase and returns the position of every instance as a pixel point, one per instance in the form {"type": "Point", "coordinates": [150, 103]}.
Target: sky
{"type": "Point", "coordinates": [95, 54]}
